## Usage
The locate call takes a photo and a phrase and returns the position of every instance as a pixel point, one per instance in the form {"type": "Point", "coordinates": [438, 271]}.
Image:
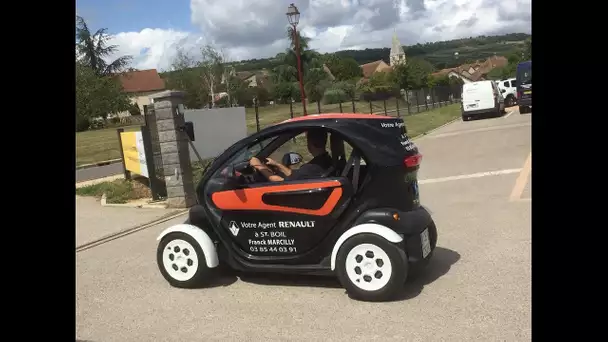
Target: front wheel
{"type": "Point", "coordinates": [371, 268]}
{"type": "Point", "coordinates": [181, 261]}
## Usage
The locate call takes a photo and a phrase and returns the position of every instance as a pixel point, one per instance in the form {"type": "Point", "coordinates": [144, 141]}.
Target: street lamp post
{"type": "Point", "coordinates": [459, 71]}
{"type": "Point", "coordinates": [293, 16]}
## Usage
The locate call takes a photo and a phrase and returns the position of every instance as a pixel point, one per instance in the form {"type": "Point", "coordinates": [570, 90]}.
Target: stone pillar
{"type": "Point", "coordinates": [174, 150]}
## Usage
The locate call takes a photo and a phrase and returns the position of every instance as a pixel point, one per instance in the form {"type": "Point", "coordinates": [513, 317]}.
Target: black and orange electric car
{"type": "Point", "coordinates": [362, 220]}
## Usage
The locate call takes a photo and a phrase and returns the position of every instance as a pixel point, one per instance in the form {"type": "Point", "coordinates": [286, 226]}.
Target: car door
{"type": "Point", "coordinates": [281, 219]}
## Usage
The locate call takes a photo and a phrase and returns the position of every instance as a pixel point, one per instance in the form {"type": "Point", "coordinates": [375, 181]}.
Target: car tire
{"type": "Point", "coordinates": [466, 118]}
{"type": "Point", "coordinates": [371, 268]}
{"type": "Point", "coordinates": [181, 261]}
{"type": "Point", "coordinates": [509, 101]}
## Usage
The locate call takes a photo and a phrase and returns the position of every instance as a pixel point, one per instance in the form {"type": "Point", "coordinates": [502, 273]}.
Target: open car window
{"type": "Point", "coordinates": [246, 153]}
{"type": "Point", "coordinates": [298, 145]}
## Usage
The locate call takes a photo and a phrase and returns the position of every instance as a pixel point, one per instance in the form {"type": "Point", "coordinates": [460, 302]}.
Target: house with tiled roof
{"type": "Point", "coordinates": [473, 72]}
{"type": "Point", "coordinates": [396, 57]}
{"type": "Point", "coordinates": [369, 69]}
{"type": "Point", "coordinates": [140, 86]}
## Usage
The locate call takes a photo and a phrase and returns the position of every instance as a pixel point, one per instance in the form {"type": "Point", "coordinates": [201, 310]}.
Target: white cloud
{"type": "Point", "coordinates": [152, 48]}
{"type": "Point", "coordinates": [253, 29]}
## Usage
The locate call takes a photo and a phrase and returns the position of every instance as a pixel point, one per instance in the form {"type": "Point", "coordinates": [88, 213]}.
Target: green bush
{"type": "Point", "coordinates": [134, 109]}
{"type": "Point", "coordinates": [348, 88]}
{"type": "Point", "coordinates": [334, 95]}
{"type": "Point", "coordinates": [118, 191]}
{"type": "Point", "coordinates": [82, 123]}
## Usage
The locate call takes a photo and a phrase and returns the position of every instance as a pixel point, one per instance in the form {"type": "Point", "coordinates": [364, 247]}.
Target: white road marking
{"type": "Point", "coordinates": [508, 114]}
{"type": "Point", "coordinates": [485, 129]}
{"type": "Point", "coordinates": [473, 175]}
{"type": "Point", "coordinates": [522, 179]}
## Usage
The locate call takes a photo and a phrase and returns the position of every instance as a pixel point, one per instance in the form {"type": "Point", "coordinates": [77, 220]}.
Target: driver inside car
{"type": "Point", "coordinates": [321, 162]}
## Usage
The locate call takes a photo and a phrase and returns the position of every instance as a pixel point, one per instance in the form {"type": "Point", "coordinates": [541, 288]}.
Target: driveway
{"type": "Point", "coordinates": [94, 222]}
{"type": "Point", "coordinates": [477, 287]}
{"type": "Point", "coordinates": [97, 172]}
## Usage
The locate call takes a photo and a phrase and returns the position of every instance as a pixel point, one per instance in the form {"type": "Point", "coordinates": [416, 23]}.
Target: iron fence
{"type": "Point", "coordinates": [409, 103]}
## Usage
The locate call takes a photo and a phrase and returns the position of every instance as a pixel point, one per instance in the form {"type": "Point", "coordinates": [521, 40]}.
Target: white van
{"type": "Point", "coordinates": [508, 89]}
{"type": "Point", "coordinates": [482, 97]}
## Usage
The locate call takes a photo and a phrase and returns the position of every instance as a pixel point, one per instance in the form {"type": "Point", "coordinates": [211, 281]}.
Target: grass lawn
{"type": "Point", "coordinates": [121, 191]}
{"type": "Point", "coordinates": [423, 122]}
{"type": "Point", "coordinates": [98, 145]}
{"type": "Point", "coordinates": [118, 191]}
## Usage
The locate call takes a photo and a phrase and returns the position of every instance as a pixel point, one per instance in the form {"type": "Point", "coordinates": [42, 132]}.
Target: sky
{"type": "Point", "coordinates": [152, 30]}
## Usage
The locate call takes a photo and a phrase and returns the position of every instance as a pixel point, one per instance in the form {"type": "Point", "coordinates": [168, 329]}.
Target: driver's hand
{"type": "Point", "coordinates": [271, 162]}
{"type": "Point", "coordinates": [255, 162]}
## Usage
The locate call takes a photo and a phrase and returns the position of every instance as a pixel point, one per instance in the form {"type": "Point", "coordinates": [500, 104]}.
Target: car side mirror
{"type": "Point", "coordinates": [503, 90]}
{"type": "Point", "coordinates": [291, 158]}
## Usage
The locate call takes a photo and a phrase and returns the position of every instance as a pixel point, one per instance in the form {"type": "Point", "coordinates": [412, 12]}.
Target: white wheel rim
{"type": "Point", "coordinates": [180, 260]}
{"type": "Point", "coordinates": [368, 267]}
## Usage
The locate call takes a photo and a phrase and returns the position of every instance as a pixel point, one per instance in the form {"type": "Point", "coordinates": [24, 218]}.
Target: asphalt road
{"type": "Point", "coordinates": [99, 172]}
{"type": "Point", "coordinates": [477, 287]}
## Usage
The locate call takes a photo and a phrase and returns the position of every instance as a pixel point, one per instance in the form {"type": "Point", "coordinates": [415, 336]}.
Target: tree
{"type": "Point", "coordinates": [92, 49]}
{"type": "Point", "coordinates": [212, 68]}
{"type": "Point", "coordinates": [185, 76]}
{"type": "Point", "coordinates": [527, 54]}
{"type": "Point", "coordinates": [414, 75]}
{"type": "Point", "coordinates": [97, 96]}
{"type": "Point", "coordinates": [283, 92]}
{"type": "Point", "coordinates": [343, 68]}
{"type": "Point", "coordinates": [306, 54]}
{"type": "Point", "coordinates": [284, 73]}
{"type": "Point", "coordinates": [316, 81]}
{"type": "Point", "coordinates": [234, 87]}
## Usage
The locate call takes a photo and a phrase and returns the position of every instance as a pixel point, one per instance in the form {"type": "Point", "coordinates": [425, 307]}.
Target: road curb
{"type": "Point", "coordinates": [434, 129]}
{"type": "Point", "coordinates": [99, 180]}
{"type": "Point", "coordinates": [101, 163]}
{"type": "Point", "coordinates": [104, 203]}
{"type": "Point", "coordinates": [128, 231]}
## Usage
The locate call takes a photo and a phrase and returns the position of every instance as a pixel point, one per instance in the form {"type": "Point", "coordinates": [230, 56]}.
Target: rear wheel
{"type": "Point", "coordinates": [509, 101]}
{"type": "Point", "coordinates": [523, 109]}
{"type": "Point", "coordinates": [371, 268]}
{"type": "Point", "coordinates": [181, 261]}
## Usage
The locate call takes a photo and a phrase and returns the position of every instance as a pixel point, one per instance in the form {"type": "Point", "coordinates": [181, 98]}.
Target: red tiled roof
{"type": "Point", "coordinates": [141, 81]}
{"type": "Point", "coordinates": [482, 68]}
{"type": "Point", "coordinates": [369, 68]}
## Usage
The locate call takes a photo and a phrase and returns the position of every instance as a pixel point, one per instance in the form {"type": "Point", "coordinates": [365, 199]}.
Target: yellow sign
{"type": "Point", "coordinates": [134, 153]}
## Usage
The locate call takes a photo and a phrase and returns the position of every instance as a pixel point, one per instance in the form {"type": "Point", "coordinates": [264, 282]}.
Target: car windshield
{"type": "Point", "coordinates": [251, 151]}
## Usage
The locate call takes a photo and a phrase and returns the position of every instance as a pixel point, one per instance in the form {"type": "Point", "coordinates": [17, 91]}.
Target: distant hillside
{"type": "Point", "coordinates": [439, 54]}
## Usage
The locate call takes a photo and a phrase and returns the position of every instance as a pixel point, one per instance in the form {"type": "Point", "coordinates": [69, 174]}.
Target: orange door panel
{"type": "Point", "coordinates": [252, 198]}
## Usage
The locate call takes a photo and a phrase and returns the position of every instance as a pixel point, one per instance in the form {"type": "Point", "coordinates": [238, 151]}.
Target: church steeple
{"type": "Point", "coordinates": [397, 55]}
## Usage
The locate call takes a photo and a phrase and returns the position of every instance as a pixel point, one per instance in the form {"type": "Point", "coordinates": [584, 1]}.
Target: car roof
{"type": "Point", "coordinates": [478, 82]}
{"type": "Point", "coordinates": [335, 116]}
